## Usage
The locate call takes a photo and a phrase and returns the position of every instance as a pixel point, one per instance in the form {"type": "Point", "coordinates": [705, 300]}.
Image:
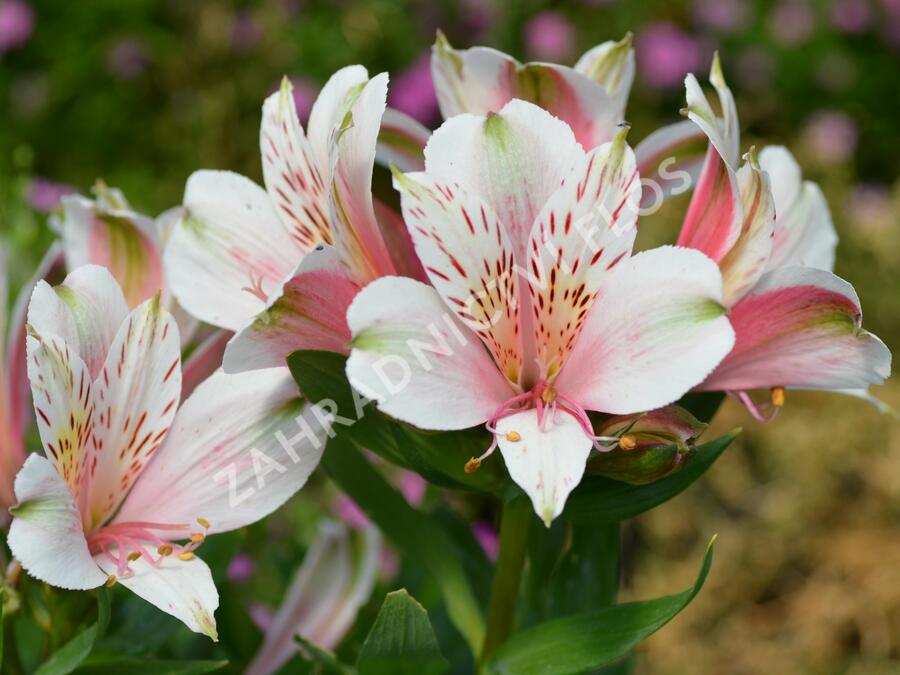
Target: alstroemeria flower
{"type": "Point", "coordinates": [281, 264]}
{"type": "Point", "coordinates": [130, 484]}
{"type": "Point", "coordinates": [797, 324]}
{"type": "Point", "coordinates": [538, 312]}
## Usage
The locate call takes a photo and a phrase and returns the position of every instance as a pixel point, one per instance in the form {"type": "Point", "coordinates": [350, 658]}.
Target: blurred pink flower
{"type": "Point", "coordinates": [412, 91]}
{"type": "Point", "coordinates": [305, 93]}
{"type": "Point", "coordinates": [486, 535]}
{"type": "Point", "coordinates": [870, 205]}
{"type": "Point", "coordinates": [412, 485]}
{"type": "Point", "coordinates": [831, 136]}
{"type": "Point", "coordinates": [478, 15]}
{"type": "Point", "coordinates": [16, 24]}
{"type": "Point", "coordinates": [722, 15]}
{"type": "Point", "coordinates": [549, 36]}
{"type": "Point", "coordinates": [241, 569]}
{"type": "Point", "coordinates": [43, 195]}
{"type": "Point", "coordinates": [665, 54]}
{"type": "Point", "coordinates": [792, 22]}
{"type": "Point", "coordinates": [262, 616]}
{"type": "Point", "coordinates": [245, 32]}
{"type": "Point", "coordinates": [349, 511]}
{"type": "Point", "coordinates": [126, 59]}
{"type": "Point", "coordinates": [851, 16]}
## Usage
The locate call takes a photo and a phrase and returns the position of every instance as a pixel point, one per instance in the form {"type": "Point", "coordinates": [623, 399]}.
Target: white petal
{"type": "Point", "coordinates": [227, 249]}
{"type": "Point", "coordinates": [86, 311]}
{"type": "Point", "coordinates": [401, 141]}
{"type": "Point", "coordinates": [46, 534]}
{"type": "Point", "coordinates": [330, 107]}
{"type": "Point", "coordinates": [513, 160]}
{"type": "Point", "coordinates": [611, 65]}
{"type": "Point", "coordinates": [547, 463]}
{"type": "Point", "coordinates": [412, 355]}
{"type": "Point", "coordinates": [657, 329]}
{"type": "Point", "coordinates": [135, 400]}
{"type": "Point", "coordinates": [225, 458]}
{"type": "Point", "coordinates": [182, 588]}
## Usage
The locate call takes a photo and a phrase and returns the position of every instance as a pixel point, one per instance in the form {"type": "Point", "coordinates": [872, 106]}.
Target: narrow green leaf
{"type": "Point", "coordinates": [440, 457]}
{"type": "Point", "coordinates": [325, 660]}
{"type": "Point", "coordinates": [702, 404]}
{"type": "Point", "coordinates": [589, 640]}
{"type": "Point", "coordinates": [603, 500]}
{"type": "Point", "coordinates": [68, 657]}
{"type": "Point", "coordinates": [117, 666]}
{"type": "Point", "coordinates": [418, 536]}
{"type": "Point", "coordinates": [401, 641]}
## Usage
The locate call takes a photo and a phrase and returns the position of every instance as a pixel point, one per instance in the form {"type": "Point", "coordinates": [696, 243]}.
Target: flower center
{"type": "Point", "coordinates": [124, 543]}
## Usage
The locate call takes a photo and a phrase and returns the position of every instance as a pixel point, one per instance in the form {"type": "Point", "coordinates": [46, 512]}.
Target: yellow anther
{"type": "Point", "coordinates": [548, 395]}
{"type": "Point", "coordinates": [197, 537]}
{"type": "Point", "coordinates": [513, 436]}
{"type": "Point", "coordinates": [627, 442]}
{"type": "Point", "coordinates": [778, 396]}
{"type": "Point", "coordinates": [203, 522]}
{"type": "Point", "coordinates": [472, 465]}
{"type": "Point", "coordinates": [186, 555]}
{"type": "Point", "coordinates": [134, 555]}
{"type": "Point", "coordinates": [165, 550]}
{"type": "Point", "coordinates": [111, 580]}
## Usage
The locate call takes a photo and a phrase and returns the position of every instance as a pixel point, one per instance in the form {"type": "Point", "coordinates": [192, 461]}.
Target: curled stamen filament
{"type": "Point", "coordinates": [765, 413]}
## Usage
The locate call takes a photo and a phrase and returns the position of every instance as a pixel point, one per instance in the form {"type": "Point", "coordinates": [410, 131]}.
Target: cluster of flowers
{"type": "Point", "coordinates": [505, 293]}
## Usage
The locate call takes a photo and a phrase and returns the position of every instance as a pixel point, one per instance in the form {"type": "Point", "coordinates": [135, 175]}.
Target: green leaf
{"type": "Point", "coordinates": [401, 641]}
{"type": "Point", "coordinates": [116, 666]}
{"type": "Point", "coordinates": [702, 404]}
{"type": "Point", "coordinates": [589, 640]}
{"type": "Point", "coordinates": [603, 500]}
{"type": "Point", "coordinates": [68, 657]}
{"type": "Point", "coordinates": [439, 457]}
{"type": "Point", "coordinates": [325, 660]}
{"type": "Point", "coordinates": [415, 534]}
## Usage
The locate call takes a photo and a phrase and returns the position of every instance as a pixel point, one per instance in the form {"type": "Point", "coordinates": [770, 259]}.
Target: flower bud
{"type": "Point", "coordinates": [651, 445]}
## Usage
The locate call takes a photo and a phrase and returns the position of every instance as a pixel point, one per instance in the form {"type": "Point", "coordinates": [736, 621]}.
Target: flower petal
{"type": "Point", "coordinates": [469, 259]}
{"type": "Point", "coordinates": [292, 173]}
{"type": "Point", "coordinates": [135, 397]}
{"type": "Point", "coordinates": [203, 361]}
{"type": "Point", "coordinates": [657, 329]}
{"type": "Point", "coordinates": [330, 107]}
{"type": "Point", "coordinates": [669, 161]}
{"type": "Point", "coordinates": [228, 250]}
{"type": "Point", "coordinates": [513, 160]}
{"type": "Point", "coordinates": [547, 462]}
{"type": "Point", "coordinates": [723, 132]}
{"type": "Point", "coordinates": [418, 360]}
{"type": "Point", "coordinates": [352, 151]}
{"type": "Point", "coordinates": [401, 141]}
{"type": "Point", "coordinates": [46, 534]}
{"type": "Point", "coordinates": [86, 311]}
{"type": "Point", "coordinates": [240, 446]}
{"type": "Point", "coordinates": [321, 604]}
{"type": "Point", "coordinates": [481, 80]}
{"type": "Point", "coordinates": [182, 588]}
{"type": "Point", "coordinates": [586, 228]}
{"type": "Point", "coordinates": [611, 65]}
{"type": "Point", "coordinates": [310, 313]}
{"type": "Point", "coordinates": [804, 234]}
{"type": "Point", "coordinates": [745, 263]}
{"type": "Point", "coordinates": [119, 239]}
{"type": "Point", "coordinates": [63, 403]}
{"type": "Point", "coordinates": [399, 243]}
{"type": "Point", "coordinates": [801, 327]}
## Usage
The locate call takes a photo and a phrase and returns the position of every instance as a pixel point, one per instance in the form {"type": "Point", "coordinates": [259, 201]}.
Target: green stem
{"type": "Point", "coordinates": [514, 525]}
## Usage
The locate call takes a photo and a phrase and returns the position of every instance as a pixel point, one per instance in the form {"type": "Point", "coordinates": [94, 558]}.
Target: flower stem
{"type": "Point", "coordinates": [514, 525]}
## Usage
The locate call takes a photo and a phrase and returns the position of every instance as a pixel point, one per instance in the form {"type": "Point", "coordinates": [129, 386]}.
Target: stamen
{"type": "Point", "coordinates": [778, 397]}
{"type": "Point", "coordinates": [134, 555]}
{"type": "Point", "coordinates": [186, 555]}
{"type": "Point", "coordinates": [513, 436]}
{"type": "Point", "coordinates": [111, 580]}
{"type": "Point", "coordinates": [627, 442]}
{"type": "Point", "coordinates": [472, 465]}
{"type": "Point", "coordinates": [204, 523]}
{"type": "Point", "coordinates": [197, 537]}
{"type": "Point", "coordinates": [757, 413]}
{"type": "Point", "coordinates": [165, 550]}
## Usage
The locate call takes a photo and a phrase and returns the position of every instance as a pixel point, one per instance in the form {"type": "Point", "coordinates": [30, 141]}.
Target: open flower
{"type": "Point", "coordinates": [797, 324]}
{"type": "Point", "coordinates": [128, 488]}
{"type": "Point", "coordinates": [538, 312]}
{"type": "Point", "coordinates": [281, 264]}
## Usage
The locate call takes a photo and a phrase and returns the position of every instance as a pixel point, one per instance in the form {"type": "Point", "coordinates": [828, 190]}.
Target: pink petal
{"type": "Point", "coordinates": [801, 327]}
{"type": "Point", "coordinates": [203, 361]}
{"type": "Point", "coordinates": [401, 141]}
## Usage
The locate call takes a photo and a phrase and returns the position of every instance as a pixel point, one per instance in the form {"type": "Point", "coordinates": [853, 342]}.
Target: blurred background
{"type": "Point", "coordinates": [807, 574]}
